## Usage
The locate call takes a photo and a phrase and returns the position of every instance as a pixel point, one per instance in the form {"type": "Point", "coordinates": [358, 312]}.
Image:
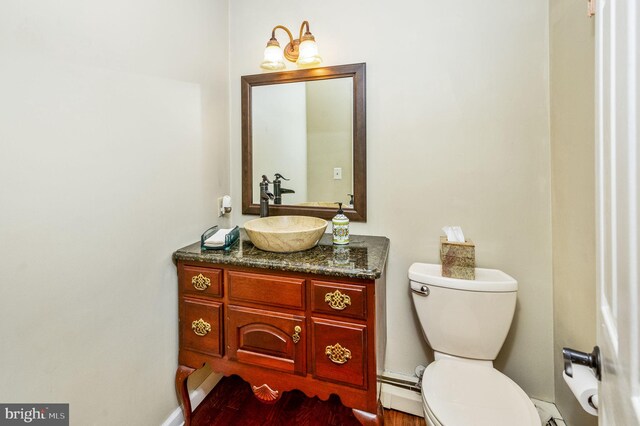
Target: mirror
{"type": "Point", "coordinates": [308, 126]}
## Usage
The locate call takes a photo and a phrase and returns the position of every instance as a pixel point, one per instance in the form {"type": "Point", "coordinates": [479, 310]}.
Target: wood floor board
{"type": "Point", "coordinates": [232, 402]}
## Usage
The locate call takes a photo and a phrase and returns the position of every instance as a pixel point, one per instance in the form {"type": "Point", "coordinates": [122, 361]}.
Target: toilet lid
{"type": "Point", "coordinates": [461, 393]}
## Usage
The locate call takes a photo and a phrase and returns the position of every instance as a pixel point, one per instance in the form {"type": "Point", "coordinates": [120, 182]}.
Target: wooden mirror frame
{"type": "Point", "coordinates": [357, 71]}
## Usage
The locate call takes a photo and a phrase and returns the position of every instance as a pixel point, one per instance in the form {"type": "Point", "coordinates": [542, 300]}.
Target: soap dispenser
{"type": "Point", "coordinates": [340, 227]}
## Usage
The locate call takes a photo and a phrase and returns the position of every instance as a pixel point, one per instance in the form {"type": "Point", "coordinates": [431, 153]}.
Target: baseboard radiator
{"type": "Point", "coordinates": [401, 392]}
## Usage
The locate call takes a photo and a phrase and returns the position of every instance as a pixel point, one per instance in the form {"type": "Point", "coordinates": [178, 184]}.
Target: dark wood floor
{"type": "Point", "coordinates": [232, 402]}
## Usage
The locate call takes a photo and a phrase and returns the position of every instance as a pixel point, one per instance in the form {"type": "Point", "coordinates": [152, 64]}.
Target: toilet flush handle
{"type": "Point", "coordinates": [424, 291]}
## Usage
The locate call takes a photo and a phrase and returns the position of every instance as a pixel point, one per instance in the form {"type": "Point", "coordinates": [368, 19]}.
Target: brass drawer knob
{"type": "Point", "coordinates": [338, 354]}
{"type": "Point", "coordinates": [201, 327]}
{"type": "Point", "coordinates": [296, 334]}
{"type": "Point", "coordinates": [337, 300]}
{"type": "Point", "coordinates": [200, 282]}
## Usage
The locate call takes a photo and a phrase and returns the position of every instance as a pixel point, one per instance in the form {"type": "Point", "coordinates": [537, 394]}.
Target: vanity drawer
{"type": "Point", "coordinates": [339, 299]}
{"type": "Point", "coordinates": [340, 352]}
{"type": "Point", "coordinates": [201, 326]}
{"type": "Point", "coordinates": [196, 280]}
{"type": "Point", "coordinates": [263, 289]}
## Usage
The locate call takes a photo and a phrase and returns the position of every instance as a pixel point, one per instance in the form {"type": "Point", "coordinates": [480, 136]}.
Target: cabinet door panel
{"type": "Point", "coordinates": [201, 326]}
{"type": "Point", "coordinates": [264, 338]}
{"type": "Point", "coordinates": [270, 339]}
{"type": "Point", "coordinates": [340, 352]}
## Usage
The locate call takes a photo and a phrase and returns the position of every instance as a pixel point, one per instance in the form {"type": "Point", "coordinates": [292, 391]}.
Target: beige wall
{"type": "Point", "coordinates": [572, 158]}
{"type": "Point", "coordinates": [113, 124]}
{"type": "Point", "coordinates": [113, 148]}
{"type": "Point", "coordinates": [330, 139]}
{"type": "Point", "coordinates": [458, 134]}
{"type": "Point", "coordinates": [279, 125]}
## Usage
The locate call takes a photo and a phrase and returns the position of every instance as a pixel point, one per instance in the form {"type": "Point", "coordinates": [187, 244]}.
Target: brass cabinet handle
{"type": "Point", "coordinates": [200, 282]}
{"type": "Point", "coordinates": [201, 327]}
{"type": "Point", "coordinates": [296, 334]}
{"type": "Point", "coordinates": [338, 354]}
{"type": "Point", "coordinates": [337, 300]}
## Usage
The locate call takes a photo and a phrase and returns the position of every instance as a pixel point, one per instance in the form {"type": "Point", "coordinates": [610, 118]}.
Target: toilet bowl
{"type": "Point", "coordinates": [465, 323]}
{"type": "Point", "coordinates": [455, 392]}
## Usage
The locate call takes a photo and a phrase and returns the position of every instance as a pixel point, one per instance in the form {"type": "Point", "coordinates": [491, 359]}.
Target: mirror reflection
{"type": "Point", "coordinates": [305, 132]}
{"type": "Point", "coordinates": [303, 140]}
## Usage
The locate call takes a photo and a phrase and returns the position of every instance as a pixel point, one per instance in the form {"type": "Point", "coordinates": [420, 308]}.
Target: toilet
{"type": "Point", "coordinates": [465, 323]}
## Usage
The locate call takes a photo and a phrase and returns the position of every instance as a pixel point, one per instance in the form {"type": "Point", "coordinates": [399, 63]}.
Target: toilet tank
{"type": "Point", "coordinates": [464, 318]}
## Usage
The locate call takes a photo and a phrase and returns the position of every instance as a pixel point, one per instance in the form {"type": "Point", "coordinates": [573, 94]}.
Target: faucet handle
{"type": "Point", "coordinates": [265, 179]}
{"type": "Point", "coordinates": [279, 176]}
{"type": "Point", "coordinates": [350, 199]}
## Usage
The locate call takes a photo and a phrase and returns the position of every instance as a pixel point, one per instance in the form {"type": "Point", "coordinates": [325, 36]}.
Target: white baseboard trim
{"type": "Point", "coordinates": [398, 397]}
{"type": "Point", "coordinates": [196, 396]}
{"type": "Point", "coordinates": [548, 410]}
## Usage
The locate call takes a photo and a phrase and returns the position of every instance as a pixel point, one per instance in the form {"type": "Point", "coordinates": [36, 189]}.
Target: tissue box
{"type": "Point", "coordinates": [458, 259]}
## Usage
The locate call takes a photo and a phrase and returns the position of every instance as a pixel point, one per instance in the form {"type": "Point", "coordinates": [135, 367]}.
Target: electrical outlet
{"type": "Point", "coordinates": [337, 173]}
{"type": "Point", "coordinates": [219, 206]}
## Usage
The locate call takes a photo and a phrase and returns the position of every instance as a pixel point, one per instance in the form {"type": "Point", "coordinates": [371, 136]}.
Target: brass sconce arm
{"type": "Point", "coordinates": [282, 27]}
{"type": "Point", "coordinates": [304, 24]}
{"type": "Point", "coordinates": [291, 50]}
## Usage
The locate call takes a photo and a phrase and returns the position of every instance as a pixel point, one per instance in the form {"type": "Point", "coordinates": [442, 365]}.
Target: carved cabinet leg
{"type": "Point", "coordinates": [182, 373]}
{"type": "Point", "coordinates": [370, 419]}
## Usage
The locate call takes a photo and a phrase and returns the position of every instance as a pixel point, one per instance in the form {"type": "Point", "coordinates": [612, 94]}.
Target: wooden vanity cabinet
{"type": "Point", "coordinates": [281, 331]}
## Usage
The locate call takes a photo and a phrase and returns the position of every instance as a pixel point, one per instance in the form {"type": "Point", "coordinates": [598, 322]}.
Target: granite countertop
{"type": "Point", "coordinates": [364, 257]}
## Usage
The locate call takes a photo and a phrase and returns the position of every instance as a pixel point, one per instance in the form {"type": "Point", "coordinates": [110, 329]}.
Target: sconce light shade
{"type": "Point", "coordinates": [308, 56]}
{"type": "Point", "coordinates": [273, 57]}
{"type": "Point", "coordinates": [303, 50]}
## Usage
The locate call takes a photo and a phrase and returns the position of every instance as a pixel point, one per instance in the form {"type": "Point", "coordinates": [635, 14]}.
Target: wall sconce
{"type": "Point", "coordinates": [303, 50]}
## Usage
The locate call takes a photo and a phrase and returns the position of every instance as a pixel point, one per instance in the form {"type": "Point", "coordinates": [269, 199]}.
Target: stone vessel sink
{"type": "Point", "coordinates": [285, 234]}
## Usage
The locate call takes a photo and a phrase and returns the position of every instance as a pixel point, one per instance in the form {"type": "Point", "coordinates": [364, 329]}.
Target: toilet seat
{"type": "Point", "coordinates": [463, 393]}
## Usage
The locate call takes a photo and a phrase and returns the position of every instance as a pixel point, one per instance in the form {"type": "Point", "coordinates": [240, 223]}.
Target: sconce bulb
{"type": "Point", "coordinates": [273, 58]}
{"type": "Point", "coordinates": [308, 55]}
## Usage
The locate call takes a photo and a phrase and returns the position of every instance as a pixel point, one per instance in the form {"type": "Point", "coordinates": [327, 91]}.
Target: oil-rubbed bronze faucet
{"type": "Point", "coordinates": [278, 190]}
{"type": "Point", "coordinates": [265, 196]}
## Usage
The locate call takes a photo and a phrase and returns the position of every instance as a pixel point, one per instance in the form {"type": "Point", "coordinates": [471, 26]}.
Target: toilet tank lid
{"type": "Point", "coordinates": [487, 280]}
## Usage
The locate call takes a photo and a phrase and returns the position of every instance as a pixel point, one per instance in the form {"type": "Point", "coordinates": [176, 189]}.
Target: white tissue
{"type": "Point", "coordinates": [217, 239]}
{"type": "Point", "coordinates": [584, 386]}
{"type": "Point", "coordinates": [454, 234]}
